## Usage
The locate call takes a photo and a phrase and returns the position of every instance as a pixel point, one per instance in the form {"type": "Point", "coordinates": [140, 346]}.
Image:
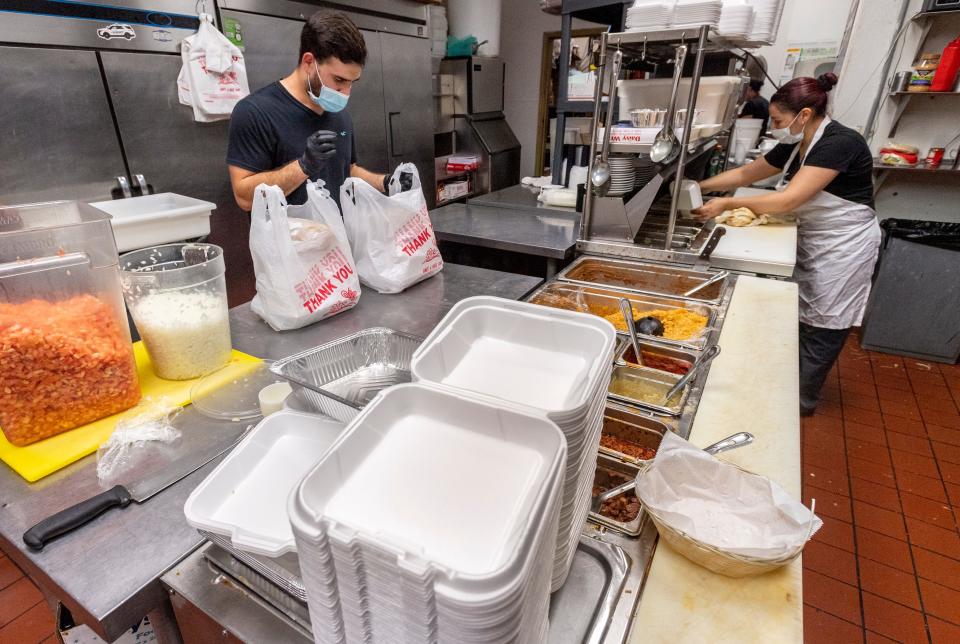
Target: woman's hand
{"type": "Point", "coordinates": [712, 208]}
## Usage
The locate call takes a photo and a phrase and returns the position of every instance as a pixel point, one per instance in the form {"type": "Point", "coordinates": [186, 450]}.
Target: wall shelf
{"type": "Point", "coordinates": [924, 93]}
{"type": "Point", "coordinates": [946, 169]}
{"type": "Point", "coordinates": [926, 15]}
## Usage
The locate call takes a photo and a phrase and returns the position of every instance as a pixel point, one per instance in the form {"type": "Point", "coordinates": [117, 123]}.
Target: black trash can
{"type": "Point", "coordinates": [914, 307]}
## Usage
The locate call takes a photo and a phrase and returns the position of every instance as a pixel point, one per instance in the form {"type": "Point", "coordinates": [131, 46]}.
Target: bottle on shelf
{"type": "Point", "coordinates": [947, 70]}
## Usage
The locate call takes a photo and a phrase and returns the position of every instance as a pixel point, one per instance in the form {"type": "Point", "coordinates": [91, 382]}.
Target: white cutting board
{"type": "Point", "coordinates": [770, 249]}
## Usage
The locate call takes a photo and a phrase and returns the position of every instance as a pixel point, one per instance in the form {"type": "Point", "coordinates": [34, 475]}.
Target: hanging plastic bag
{"type": "Point", "coordinates": [392, 236]}
{"type": "Point", "coordinates": [301, 257]}
{"type": "Point", "coordinates": [213, 77]}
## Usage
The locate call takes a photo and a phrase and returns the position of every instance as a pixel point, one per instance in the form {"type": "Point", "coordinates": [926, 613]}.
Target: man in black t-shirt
{"type": "Point", "coordinates": [756, 106]}
{"type": "Point", "coordinates": [295, 129]}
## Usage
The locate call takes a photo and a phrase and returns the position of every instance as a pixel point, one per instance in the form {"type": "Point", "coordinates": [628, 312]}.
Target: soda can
{"type": "Point", "coordinates": [934, 157]}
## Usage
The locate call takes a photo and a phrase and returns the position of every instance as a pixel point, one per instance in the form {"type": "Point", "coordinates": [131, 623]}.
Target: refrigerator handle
{"type": "Point", "coordinates": [124, 186]}
{"type": "Point", "coordinates": [396, 149]}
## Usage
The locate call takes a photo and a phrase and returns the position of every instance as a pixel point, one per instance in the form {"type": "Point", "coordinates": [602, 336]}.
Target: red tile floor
{"type": "Point", "coordinates": [882, 458]}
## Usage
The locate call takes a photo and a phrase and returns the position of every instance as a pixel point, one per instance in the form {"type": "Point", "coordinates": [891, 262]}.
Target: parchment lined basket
{"type": "Point", "coordinates": [710, 557]}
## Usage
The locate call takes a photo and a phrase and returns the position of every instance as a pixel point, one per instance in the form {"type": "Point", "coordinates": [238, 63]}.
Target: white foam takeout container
{"type": "Point", "coordinates": [245, 498]}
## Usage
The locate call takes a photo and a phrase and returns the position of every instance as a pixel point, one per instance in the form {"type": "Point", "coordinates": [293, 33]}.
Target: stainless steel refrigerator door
{"type": "Point", "coordinates": [57, 139]}
{"type": "Point", "coordinates": [367, 111]}
{"type": "Point", "coordinates": [408, 97]}
{"type": "Point", "coordinates": [177, 154]}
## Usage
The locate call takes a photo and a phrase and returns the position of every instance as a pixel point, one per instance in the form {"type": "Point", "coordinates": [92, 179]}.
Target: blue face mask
{"type": "Point", "coordinates": [329, 99]}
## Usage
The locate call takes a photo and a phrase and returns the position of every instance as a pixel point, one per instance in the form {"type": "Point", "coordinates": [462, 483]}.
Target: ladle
{"type": "Point", "coordinates": [666, 140]}
{"type": "Point", "coordinates": [600, 177]}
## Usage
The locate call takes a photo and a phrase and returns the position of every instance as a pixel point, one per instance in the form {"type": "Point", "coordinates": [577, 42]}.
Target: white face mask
{"type": "Point", "coordinates": [784, 135]}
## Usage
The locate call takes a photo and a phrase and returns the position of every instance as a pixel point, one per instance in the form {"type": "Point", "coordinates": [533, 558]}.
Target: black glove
{"type": "Point", "coordinates": [406, 182]}
{"type": "Point", "coordinates": [321, 147]}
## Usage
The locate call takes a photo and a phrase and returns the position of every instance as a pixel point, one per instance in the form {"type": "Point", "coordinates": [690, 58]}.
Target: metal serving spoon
{"type": "Point", "coordinates": [666, 140]}
{"type": "Point", "coordinates": [600, 178]}
{"type": "Point", "coordinates": [697, 367]}
{"type": "Point", "coordinates": [713, 280]}
{"type": "Point", "coordinates": [627, 310]}
{"type": "Point", "coordinates": [730, 442]}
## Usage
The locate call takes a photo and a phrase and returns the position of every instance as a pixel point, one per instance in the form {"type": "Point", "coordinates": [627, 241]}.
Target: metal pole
{"type": "Point", "coordinates": [597, 102]}
{"type": "Point", "coordinates": [685, 139]}
{"type": "Point", "coordinates": [563, 66]}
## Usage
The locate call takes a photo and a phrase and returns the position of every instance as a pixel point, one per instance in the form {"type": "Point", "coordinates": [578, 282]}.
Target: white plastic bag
{"type": "Point", "coordinates": [392, 237]}
{"type": "Point", "coordinates": [213, 77]}
{"type": "Point", "coordinates": [301, 257]}
{"type": "Point", "coordinates": [124, 449]}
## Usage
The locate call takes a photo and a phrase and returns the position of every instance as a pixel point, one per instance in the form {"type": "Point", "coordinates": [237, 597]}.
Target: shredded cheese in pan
{"type": "Point", "coordinates": [678, 324]}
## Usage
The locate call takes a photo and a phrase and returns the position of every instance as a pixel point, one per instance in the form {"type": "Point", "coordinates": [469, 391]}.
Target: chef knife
{"type": "Point", "coordinates": [198, 444]}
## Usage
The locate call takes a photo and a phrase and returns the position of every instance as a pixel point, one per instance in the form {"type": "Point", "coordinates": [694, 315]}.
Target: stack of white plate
{"type": "Point", "coordinates": [766, 19]}
{"type": "Point", "coordinates": [432, 518]}
{"type": "Point", "coordinates": [622, 174]}
{"type": "Point", "coordinates": [645, 169]}
{"type": "Point", "coordinates": [695, 13]}
{"type": "Point", "coordinates": [557, 362]}
{"type": "Point", "coordinates": [736, 19]}
{"type": "Point", "coordinates": [647, 15]}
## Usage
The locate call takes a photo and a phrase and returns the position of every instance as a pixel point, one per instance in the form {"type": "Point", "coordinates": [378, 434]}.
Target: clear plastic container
{"type": "Point", "coordinates": [65, 353]}
{"type": "Point", "coordinates": [177, 296]}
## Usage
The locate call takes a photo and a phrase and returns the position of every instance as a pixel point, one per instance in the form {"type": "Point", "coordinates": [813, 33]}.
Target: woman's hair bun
{"type": "Point", "coordinates": [827, 81]}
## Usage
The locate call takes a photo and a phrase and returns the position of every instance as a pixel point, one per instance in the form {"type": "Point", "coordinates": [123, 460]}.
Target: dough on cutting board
{"type": "Point", "coordinates": [741, 217]}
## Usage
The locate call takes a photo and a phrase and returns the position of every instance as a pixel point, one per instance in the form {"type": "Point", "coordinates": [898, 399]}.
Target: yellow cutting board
{"type": "Point", "coordinates": [45, 457]}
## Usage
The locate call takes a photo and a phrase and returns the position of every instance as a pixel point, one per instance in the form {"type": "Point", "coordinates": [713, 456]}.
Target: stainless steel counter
{"type": "Point", "coordinates": [217, 597]}
{"type": "Point", "coordinates": [518, 197]}
{"type": "Point", "coordinates": [416, 311]}
{"type": "Point", "coordinates": [107, 572]}
{"type": "Point", "coordinates": [547, 234]}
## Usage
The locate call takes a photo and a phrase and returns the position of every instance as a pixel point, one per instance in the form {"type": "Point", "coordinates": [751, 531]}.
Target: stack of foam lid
{"type": "Point", "coordinates": [557, 362]}
{"type": "Point", "coordinates": [433, 518]}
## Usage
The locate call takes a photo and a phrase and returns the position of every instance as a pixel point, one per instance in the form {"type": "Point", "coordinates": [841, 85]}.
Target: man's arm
{"type": "Point", "coordinates": [375, 179]}
{"type": "Point", "coordinates": [288, 178]}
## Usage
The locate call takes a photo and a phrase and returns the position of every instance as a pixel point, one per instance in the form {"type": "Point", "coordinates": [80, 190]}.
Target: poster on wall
{"type": "Point", "coordinates": [804, 59]}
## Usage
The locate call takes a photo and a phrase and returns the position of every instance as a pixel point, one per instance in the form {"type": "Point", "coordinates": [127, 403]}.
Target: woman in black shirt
{"type": "Point", "coordinates": [827, 182]}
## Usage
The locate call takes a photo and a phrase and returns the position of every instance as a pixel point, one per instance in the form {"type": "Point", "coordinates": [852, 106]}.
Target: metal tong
{"type": "Point", "coordinates": [730, 442]}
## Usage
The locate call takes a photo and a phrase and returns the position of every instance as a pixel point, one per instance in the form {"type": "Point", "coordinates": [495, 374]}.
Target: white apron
{"type": "Point", "coordinates": [837, 246]}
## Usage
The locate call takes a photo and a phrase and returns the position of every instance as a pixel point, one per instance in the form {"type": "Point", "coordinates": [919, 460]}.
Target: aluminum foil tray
{"type": "Point", "coordinates": [339, 378]}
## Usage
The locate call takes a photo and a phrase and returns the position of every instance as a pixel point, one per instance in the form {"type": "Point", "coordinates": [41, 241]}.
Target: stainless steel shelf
{"type": "Point", "coordinates": [447, 202]}
{"type": "Point", "coordinates": [677, 35]}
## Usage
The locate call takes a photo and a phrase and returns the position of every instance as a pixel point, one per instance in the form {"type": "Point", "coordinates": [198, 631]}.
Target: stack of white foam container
{"type": "Point", "coordinates": [556, 362]}
{"type": "Point", "coordinates": [433, 518]}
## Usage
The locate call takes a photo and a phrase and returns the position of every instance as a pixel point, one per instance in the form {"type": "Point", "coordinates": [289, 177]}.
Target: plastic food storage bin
{"type": "Point", "coordinates": [65, 353]}
{"type": "Point", "coordinates": [162, 218]}
{"type": "Point", "coordinates": [177, 297]}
